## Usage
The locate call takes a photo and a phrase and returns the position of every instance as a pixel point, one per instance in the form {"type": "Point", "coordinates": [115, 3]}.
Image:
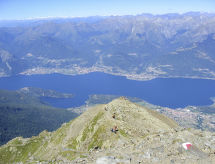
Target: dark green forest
{"type": "Point", "coordinates": [24, 115]}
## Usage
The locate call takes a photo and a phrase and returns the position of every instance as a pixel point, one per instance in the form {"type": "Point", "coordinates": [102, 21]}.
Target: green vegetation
{"type": "Point", "coordinates": [71, 155]}
{"type": "Point", "coordinates": [24, 115]}
{"type": "Point", "coordinates": [90, 127]}
{"type": "Point", "coordinates": [123, 133]}
{"type": "Point", "coordinates": [91, 131]}
{"type": "Point", "coordinates": [59, 134]}
{"type": "Point", "coordinates": [83, 156]}
{"type": "Point", "coordinates": [97, 139]}
{"type": "Point", "coordinates": [28, 149]}
{"type": "Point", "coordinates": [6, 155]}
{"type": "Point", "coordinates": [73, 145]}
{"type": "Point", "coordinates": [16, 141]}
{"type": "Point", "coordinates": [178, 140]}
{"type": "Point", "coordinates": [20, 152]}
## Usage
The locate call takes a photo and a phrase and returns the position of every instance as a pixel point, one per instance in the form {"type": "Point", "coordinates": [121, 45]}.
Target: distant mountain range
{"type": "Point", "coordinates": [140, 47]}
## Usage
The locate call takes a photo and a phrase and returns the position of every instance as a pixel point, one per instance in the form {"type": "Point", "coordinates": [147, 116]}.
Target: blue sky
{"type": "Point", "coordinates": [22, 9]}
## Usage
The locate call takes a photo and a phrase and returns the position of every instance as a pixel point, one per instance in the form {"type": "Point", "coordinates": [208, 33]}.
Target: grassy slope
{"type": "Point", "coordinates": [90, 130]}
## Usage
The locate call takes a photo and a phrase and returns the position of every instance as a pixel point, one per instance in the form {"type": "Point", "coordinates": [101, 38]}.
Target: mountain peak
{"type": "Point", "coordinates": [136, 115]}
{"type": "Point", "coordinates": [120, 131]}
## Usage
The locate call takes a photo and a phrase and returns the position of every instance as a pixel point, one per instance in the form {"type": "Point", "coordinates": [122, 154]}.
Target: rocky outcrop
{"type": "Point", "coordinates": [141, 136]}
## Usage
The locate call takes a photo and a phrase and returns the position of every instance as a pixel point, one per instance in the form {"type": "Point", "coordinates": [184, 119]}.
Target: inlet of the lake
{"type": "Point", "coordinates": [168, 92]}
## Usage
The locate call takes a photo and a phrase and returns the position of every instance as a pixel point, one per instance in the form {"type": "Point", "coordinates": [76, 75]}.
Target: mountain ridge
{"type": "Point", "coordinates": [139, 47]}
{"type": "Point", "coordinates": [143, 136]}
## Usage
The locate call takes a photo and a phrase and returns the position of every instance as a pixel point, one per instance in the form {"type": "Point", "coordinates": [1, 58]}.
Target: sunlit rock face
{"type": "Point", "coordinates": [142, 135]}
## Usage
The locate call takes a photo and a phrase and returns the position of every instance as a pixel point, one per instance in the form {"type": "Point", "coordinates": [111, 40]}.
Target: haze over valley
{"type": "Point", "coordinates": [100, 82]}
{"type": "Point", "coordinates": [139, 47]}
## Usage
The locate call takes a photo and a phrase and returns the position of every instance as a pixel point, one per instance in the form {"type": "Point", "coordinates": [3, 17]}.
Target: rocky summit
{"type": "Point", "coordinates": [118, 132]}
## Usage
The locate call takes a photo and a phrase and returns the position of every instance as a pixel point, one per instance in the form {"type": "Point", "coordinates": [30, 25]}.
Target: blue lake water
{"type": "Point", "coordinates": [173, 92]}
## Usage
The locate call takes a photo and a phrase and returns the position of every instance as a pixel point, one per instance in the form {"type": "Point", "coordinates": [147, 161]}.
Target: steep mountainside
{"type": "Point", "coordinates": [139, 47]}
{"type": "Point", "coordinates": [198, 117]}
{"type": "Point", "coordinates": [23, 114]}
{"type": "Point", "coordinates": [143, 136]}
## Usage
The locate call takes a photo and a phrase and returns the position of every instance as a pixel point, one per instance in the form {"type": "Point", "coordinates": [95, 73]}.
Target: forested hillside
{"type": "Point", "coordinates": [23, 114]}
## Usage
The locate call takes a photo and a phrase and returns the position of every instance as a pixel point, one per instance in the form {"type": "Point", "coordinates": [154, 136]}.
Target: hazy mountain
{"type": "Point", "coordinates": [140, 47]}
{"type": "Point", "coordinates": [143, 136]}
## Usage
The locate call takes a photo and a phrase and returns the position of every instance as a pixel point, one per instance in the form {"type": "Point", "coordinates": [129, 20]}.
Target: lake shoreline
{"type": "Point", "coordinates": [166, 92]}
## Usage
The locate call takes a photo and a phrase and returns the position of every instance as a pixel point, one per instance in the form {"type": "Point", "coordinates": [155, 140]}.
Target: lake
{"type": "Point", "coordinates": [169, 92]}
